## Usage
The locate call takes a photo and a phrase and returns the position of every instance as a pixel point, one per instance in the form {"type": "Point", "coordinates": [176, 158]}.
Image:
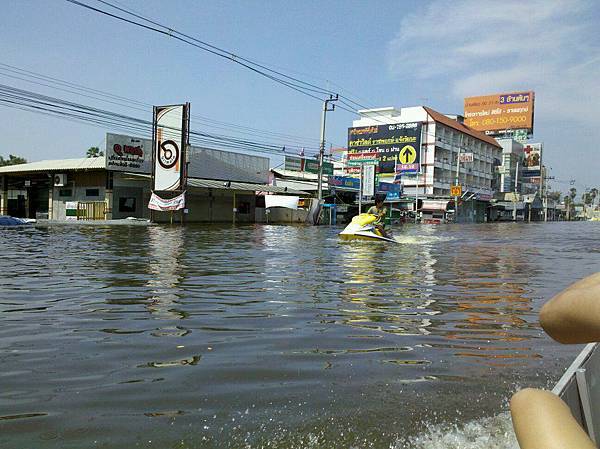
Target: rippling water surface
{"type": "Point", "coordinates": [277, 336]}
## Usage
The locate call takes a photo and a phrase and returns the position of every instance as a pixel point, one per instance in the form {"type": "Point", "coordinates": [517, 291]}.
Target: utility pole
{"type": "Point", "coordinates": [326, 109]}
{"type": "Point", "coordinates": [417, 198]}
{"type": "Point", "coordinates": [456, 181]}
{"type": "Point", "coordinates": [515, 192]}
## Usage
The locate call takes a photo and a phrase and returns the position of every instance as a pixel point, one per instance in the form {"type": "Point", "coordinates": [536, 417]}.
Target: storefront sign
{"type": "Point", "coordinates": [393, 191]}
{"type": "Point", "coordinates": [294, 163]}
{"type": "Point", "coordinates": [344, 182]}
{"type": "Point", "coordinates": [398, 143]}
{"type": "Point", "coordinates": [158, 203]}
{"type": "Point", "coordinates": [465, 157]}
{"type": "Point", "coordinates": [128, 154]}
{"type": "Point", "coordinates": [170, 133]}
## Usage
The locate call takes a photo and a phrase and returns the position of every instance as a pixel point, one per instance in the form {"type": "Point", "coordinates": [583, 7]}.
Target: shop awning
{"type": "Point", "coordinates": [289, 202]}
{"type": "Point", "coordinates": [435, 205]}
{"type": "Point", "coordinates": [231, 185]}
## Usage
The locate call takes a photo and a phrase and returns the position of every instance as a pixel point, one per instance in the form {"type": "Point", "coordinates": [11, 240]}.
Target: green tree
{"type": "Point", "coordinates": [554, 196]}
{"type": "Point", "coordinates": [12, 160]}
{"type": "Point", "coordinates": [94, 152]}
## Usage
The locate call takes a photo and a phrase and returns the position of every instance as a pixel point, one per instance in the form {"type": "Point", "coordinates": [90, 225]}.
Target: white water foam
{"type": "Point", "coordinates": [486, 433]}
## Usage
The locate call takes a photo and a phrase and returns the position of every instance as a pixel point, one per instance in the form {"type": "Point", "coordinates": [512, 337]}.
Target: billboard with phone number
{"type": "Point", "coordinates": [497, 113]}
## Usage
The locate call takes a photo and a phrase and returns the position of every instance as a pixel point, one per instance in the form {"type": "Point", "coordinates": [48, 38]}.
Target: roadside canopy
{"type": "Point", "coordinates": [435, 205]}
{"type": "Point", "coordinates": [289, 202]}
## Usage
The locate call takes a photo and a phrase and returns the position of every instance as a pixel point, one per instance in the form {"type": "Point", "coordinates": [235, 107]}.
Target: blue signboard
{"type": "Point", "coordinates": [345, 182]}
{"type": "Point", "coordinates": [393, 191]}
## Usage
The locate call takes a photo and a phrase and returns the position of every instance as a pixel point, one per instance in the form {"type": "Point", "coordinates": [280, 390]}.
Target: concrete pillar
{"type": "Point", "coordinates": [50, 198]}
{"type": "Point", "coordinates": [108, 198]}
{"type": "Point", "coordinates": [3, 196]}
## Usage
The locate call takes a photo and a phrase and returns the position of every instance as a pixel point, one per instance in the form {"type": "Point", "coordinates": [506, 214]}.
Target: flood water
{"type": "Point", "coordinates": [277, 336]}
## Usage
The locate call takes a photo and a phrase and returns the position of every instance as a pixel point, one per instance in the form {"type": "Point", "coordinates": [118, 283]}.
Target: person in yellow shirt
{"type": "Point", "coordinates": [380, 211]}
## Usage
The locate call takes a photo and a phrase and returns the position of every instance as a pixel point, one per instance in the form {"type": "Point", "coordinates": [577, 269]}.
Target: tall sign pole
{"type": "Point", "coordinates": [326, 109]}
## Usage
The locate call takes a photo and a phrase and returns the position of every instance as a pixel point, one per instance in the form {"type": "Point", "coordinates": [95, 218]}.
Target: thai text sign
{"type": "Point", "coordinates": [345, 182]}
{"type": "Point", "coordinates": [170, 134]}
{"type": "Point", "coordinates": [158, 203]}
{"type": "Point", "coordinates": [465, 157]}
{"type": "Point", "coordinates": [294, 163]}
{"type": "Point", "coordinates": [500, 112]}
{"type": "Point", "coordinates": [392, 143]}
{"type": "Point", "coordinates": [128, 154]}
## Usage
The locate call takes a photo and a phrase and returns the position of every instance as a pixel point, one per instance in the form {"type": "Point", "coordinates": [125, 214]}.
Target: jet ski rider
{"type": "Point", "coordinates": [380, 211]}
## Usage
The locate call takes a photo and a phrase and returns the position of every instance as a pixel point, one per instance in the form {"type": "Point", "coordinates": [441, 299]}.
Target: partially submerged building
{"type": "Point", "coordinates": [223, 186]}
{"type": "Point", "coordinates": [443, 139]}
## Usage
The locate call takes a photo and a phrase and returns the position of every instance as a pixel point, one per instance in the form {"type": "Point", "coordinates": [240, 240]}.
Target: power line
{"type": "Point", "coordinates": [289, 141]}
{"type": "Point", "coordinates": [34, 102]}
{"type": "Point", "coordinates": [290, 82]}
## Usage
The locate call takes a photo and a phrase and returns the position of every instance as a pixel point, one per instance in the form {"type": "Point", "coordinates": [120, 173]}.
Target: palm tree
{"type": "Point", "coordinates": [94, 152]}
{"type": "Point", "coordinates": [593, 194]}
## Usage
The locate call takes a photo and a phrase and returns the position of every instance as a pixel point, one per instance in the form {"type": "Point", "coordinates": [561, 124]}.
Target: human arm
{"type": "Point", "coordinates": [573, 316]}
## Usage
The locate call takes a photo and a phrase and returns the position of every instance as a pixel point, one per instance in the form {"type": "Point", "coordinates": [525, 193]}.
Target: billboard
{"type": "Point", "coordinates": [532, 160]}
{"type": "Point", "coordinates": [389, 145]}
{"type": "Point", "coordinates": [170, 142]}
{"type": "Point", "coordinates": [128, 154]}
{"type": "Point", "coordinates": [497, 113]}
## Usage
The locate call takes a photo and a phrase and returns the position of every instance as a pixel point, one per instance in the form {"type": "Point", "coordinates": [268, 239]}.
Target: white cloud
{"type": "Point", "coordinates": [480, 47]}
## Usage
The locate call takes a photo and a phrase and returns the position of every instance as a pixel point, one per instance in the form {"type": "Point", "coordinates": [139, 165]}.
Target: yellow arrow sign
{"type": "Point", "coordinates": [408, 154]}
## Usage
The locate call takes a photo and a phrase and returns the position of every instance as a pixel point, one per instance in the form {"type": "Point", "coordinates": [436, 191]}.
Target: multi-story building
{"type": "Point", "coordinates": [444, 137]}
{"type": "Point", "coordinates": [511, 166]}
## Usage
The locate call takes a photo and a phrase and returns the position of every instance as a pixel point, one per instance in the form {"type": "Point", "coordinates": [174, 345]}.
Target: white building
{"type": "Point", "coordinates": [443, 138]}
{"type": "Point", "coordinates": [512, 152]}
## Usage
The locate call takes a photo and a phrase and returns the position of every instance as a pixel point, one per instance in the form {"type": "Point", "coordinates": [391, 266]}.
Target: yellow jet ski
{"type": "Point", "coordinates": [362, 228]}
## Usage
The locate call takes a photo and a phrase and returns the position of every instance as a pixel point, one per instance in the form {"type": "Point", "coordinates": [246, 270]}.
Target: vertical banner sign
{"type": "Point", "coordinates": [170, 143]}
{"type": "Point", "coordinates": [368, 180]}
{"type": "Point", "coordinates": [396, 147]}
{"type": "Point", "coordinates": [532, 161]}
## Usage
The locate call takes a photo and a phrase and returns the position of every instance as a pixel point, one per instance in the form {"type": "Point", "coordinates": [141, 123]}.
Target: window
{"type": "Point", "coordinates": [65, 193]}
{"type": "Point", "coordinates": [92, 192]}
{"type": "Point", "coordinates": [126, 204]}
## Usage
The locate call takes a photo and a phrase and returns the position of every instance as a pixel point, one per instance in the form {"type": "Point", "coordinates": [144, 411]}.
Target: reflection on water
{"type": "Point", "coordinates": [277, 336]}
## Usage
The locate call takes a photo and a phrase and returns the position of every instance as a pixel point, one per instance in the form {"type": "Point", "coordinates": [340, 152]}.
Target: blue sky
{"type": "Point", "coordinates": [386, 53]}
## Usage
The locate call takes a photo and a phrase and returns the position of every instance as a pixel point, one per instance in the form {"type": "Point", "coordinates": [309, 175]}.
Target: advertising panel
{"type": "Point", "coordinates": [532, 160]}
{"type": "Point", "coordinates": [395, 146]}
{"type": "Point", "coordinates": [161, 204]}
{"type": "Point", "coordinates": [170, 134]}
{"type": "Point", "coordinates": [500, 112]}
{"type": "Point", "coordinates": [128, 154]}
